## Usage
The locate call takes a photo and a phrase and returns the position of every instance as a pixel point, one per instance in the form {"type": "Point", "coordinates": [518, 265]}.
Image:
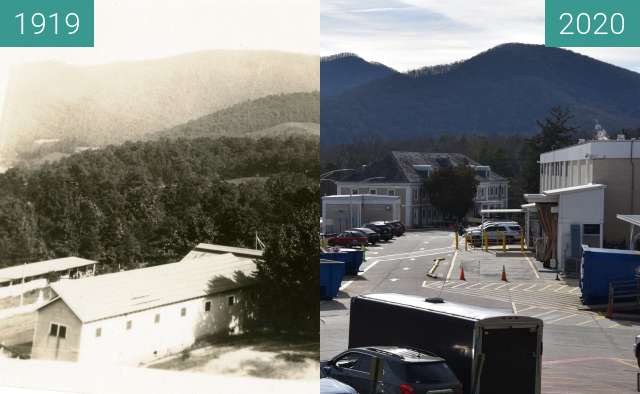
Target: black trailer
{"type": "Point", "coordinates": [490, 351]}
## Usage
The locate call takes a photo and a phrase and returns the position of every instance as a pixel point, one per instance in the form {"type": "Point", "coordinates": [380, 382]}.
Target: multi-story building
{"type": "Point", "coordinates": [586, 186]}
{"type": "Point", "coordinates": [403, 174]}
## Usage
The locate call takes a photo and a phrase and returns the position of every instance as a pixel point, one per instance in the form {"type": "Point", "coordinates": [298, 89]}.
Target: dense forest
{"type": "Point", "coordinates": [147, 203]}
{"type": "Point", "coordinates": [251, 116]}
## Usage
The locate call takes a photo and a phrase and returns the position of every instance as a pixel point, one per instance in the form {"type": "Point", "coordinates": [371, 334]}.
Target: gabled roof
{"type": "Point", "coordinates": [110, 295]}
{"type": "Point", "coordinates": [398, 167]}
{"type": "Point", "coordinates": [43, 267]}
{"type": "Point", "coordinates": [203, 250]}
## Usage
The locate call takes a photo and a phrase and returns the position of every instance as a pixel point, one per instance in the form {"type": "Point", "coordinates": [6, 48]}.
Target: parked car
{"type": "Point", "coordinates": [371, 235]}
{"type": "Point", "coordinates": [332, 386]}
{"type": "Point", "coordinates": [348, 238]}
{"type": "Point", "coordinates": [637, 349]}
{"type": "Point", "coordinates": [495, 232]}
{"type": "Point", "coordinates": [404, 371]}
{"type": "Point", "coordinates": [397, 227]}
{"type": "Point", "coordinates": [383, 229]}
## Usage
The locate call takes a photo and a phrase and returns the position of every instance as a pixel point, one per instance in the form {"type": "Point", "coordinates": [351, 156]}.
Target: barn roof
{"type": "Point", "coordinates": [42, 267]}
{"type": "Point", "coordinates": [125, 292]}
{"type": "Point", "coordinates": [203, 250]}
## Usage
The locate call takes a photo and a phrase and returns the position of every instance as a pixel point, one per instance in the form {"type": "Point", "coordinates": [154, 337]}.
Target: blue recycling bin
{"type": "Point", "coordinates": [600, 266]}
{"type": "Point", "coordinates": [331, 274]}
{"type": "Point", "coordinates": [352, 259]}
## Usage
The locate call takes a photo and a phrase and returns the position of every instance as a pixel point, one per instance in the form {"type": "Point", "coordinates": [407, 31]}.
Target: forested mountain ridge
{"type": "Point", "coordinates": [344, 71]}
{"type": "Point", "coordinates": [97, 105]}
{"type": "Point", "coordinates": [150, 202]}
{"type": "Point", "coordinates": [251, 116]}
{"type": "Point", "coordinates": [501, 91]}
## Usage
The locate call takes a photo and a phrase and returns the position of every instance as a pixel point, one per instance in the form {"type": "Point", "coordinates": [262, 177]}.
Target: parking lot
{"type": "Point", "coordinates": [578, 342]}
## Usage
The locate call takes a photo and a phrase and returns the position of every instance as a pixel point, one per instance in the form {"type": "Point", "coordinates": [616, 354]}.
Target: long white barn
{"type": "Point", "coordinates": [137, 316]}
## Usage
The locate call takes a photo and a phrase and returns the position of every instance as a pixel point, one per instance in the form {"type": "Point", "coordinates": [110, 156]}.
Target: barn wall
{"type": "Point", "coordinates": [147, 340]}
{"type": "Point", "coordinates": [47, 347]}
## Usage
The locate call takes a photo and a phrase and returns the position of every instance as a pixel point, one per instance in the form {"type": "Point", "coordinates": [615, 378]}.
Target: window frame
{"type": "Point", "coordinates": [207, 306]}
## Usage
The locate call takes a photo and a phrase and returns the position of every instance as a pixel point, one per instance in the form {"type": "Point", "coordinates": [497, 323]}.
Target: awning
{"type": "Point", "coordinates": [574, 189]}
{"type": "Point", "coordinates": [631, 219]}
{"type": "Point", "coordinates": [510, 210]}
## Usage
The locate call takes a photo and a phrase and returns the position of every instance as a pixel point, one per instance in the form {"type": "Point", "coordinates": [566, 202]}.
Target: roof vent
{"type": "Point", "coordinates": [620, 137]}
{"type": "Point", "coordinates": [434, 300]}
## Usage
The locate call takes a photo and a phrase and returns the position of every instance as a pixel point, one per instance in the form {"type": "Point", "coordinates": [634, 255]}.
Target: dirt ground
{"type": "Point", "coordinates": [251, 356]}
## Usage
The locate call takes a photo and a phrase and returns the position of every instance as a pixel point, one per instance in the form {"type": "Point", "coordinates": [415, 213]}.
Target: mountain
{"type": "Point", "coordinates": [282, 114]}
{"type": "Point", "coordinates": [344, 71]}
{"type": "Point", "coordinates": [104, 104]}
{"type": "Point", "coordinates": [503, 90]}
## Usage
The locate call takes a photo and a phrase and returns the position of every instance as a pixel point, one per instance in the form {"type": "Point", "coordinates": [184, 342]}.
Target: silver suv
{"type": "Point", "coordinates": [495, 232]}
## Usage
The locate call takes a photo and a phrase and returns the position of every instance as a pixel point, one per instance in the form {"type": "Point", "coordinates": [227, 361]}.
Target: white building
{"type": "Point", "coordinates": [136, 316]}
{"type": "Point", "coordinates": [583, 188]}
{"type": "Point", "coordinates": [344, 212]}
{"type": "Point", "coordinates": [403, 174]}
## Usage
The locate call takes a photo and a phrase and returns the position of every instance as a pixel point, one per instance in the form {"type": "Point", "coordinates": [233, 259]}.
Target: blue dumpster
{"type": "Point", "coordinates": [331, 274]}
{"type": "Point", "coordinates": [352, 259]}
{"type": "Point", "coordinates": [600, 266]}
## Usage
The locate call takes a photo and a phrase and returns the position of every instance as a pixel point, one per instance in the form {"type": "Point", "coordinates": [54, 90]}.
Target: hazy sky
{"type": "Point", "coordinates": [142, 29]}
{"type": "Point", "coordinates": [408, 34]}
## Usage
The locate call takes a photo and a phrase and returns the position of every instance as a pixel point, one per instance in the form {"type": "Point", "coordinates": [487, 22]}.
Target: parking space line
{"type": "Point", "coordinates": [516, 286]}
{"type": "Point", "coordinates": [474, 285]}
{"type": "Point", "coordinates": [530, 287]}
{"type": "Point", "coordinates": [513, 306]}
{"type": "Point", "coordinates": [560, 288]}
{"type": "Point", "coordinates": [345, 285]}
{"type": "Point", "coordinates": [458, 285]}
{"type": "Point", "coordinates": [501, 286]}
{"type": "Point", "coordinates": [561, 318]}
{"type": "Point", "coordinates": [545, 313]}
{"type": "Point", "coordinates": [614, 325]}
{"type": "Point", "coordinates": [574, 291]}
{"type": "Point", "coordinates": [533, 268]}
{"type": "Point", "coordinates": [544, 288]}
{"type": "Point", "coordinates": [453, 262]}
{"type": "Point", "coordinates": [594, 319]}
{"type": "Point", "coordinates": [528, 308]}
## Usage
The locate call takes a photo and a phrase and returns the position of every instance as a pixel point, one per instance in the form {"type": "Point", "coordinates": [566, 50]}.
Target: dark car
{"type": "Point", "coordinates": [371, 235]}
{"type": "Point", "coordinates": [382, 229]}
{"type": "Point", "coordinates": [404, 371]}
{"type": "Point", "coordinates": [348, 238]}
{"type": "Point", "coordinates": [397, 227]}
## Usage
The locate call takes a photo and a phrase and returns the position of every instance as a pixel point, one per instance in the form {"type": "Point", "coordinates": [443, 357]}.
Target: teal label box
{"type": "Point", "coordinates": [592, 23]}
{"type": "Point", "coordinates": [46, 23]}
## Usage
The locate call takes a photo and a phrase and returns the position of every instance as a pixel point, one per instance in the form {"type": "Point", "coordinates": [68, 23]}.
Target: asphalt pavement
{"type": "Point", "coordinates": [584, 352]}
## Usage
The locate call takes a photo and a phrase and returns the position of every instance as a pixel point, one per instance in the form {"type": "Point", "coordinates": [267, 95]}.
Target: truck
{"type": "Point", "coordinates": [489, 350]}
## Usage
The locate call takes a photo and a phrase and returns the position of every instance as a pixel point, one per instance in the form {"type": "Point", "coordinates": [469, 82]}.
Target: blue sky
{"type": "Point", "coordinates": [408, 34]}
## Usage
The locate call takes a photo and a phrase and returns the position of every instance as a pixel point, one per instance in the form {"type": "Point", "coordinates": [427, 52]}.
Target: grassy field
{"type": "Point", "coordinates": [264, 356]}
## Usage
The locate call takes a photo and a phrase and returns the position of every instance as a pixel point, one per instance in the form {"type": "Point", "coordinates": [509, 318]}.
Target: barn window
{"type": "Point", "coordinates": [99, 332]}
{"type": "Point", "coordinates": [129, 324]}
{"type": "Point", "coordinates": [232, 300]}
{"type": "Point", "coordinates": [58, 330]}
{"type": "Point", "coordinates": [157, 318]}
{"type": "Point", "coordinates": [183, 312]}
{"type": "Point", "coordinates": [207, 306]}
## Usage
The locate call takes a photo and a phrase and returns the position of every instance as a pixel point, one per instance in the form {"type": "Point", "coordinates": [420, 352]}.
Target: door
{"type": "Point", "coordinates": [353, 369]}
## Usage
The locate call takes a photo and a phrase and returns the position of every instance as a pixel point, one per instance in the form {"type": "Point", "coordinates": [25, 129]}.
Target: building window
{"type": "Point", "coordinates": [129, 324]}
{"type": "Point", "coordinates": [207, 306]}
{"type": "Point", "coordinates": [232, 300]}
{"type": "Point", "coordinates": [98, 332]}
{"type": "Point", "coordinates": [391, 193]}
{"type": "Point", "coordinates": [183, 312]}
{"type": "Point", "coordinates": [157, 318]}
{"type": "Point", "coordinates": [372, 191]}
{"type": "Point", "coordinates": [354, 191]}
{"type": "Point", "coordinates": [58, 330]}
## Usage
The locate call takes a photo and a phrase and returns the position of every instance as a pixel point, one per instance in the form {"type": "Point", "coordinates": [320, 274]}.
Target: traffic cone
{"type": "Point", "coordinates": [504, 275]}
{"type": "Point", "coordinates": [462, 273]}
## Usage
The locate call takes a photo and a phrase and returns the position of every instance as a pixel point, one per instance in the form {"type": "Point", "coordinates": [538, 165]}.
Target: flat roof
{"type": "Point", "coordinates": [43, 267]}
{"type": "Point", "coordinates": [633, 219]}
{"type": "Point", "coordinates": [125, 292]}
{"type": "Point", "coordinates": [607, 149]}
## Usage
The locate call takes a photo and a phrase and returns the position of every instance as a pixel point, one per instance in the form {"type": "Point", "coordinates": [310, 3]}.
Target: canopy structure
{"type": "Point", "coordinates": [634, 229]}
{"type": "Point", "coordinates": [507, 211]}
